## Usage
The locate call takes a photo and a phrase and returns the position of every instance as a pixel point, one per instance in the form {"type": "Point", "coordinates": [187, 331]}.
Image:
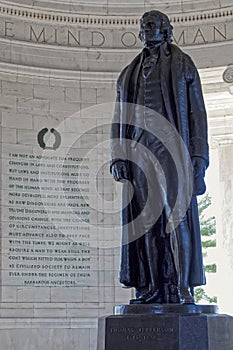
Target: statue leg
{"type": "Point", "coordinates": [171, 293]}
{"type": "Point", "coordinates": [154, 295]}
{"type": "Point", "coordinates": [152, 252]}
{"type": "Point", "coordinates": [185, 253]}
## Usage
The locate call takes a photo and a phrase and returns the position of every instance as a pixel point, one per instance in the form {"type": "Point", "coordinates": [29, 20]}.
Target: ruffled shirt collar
{"type": "Point", "coordinates": [154, 51]}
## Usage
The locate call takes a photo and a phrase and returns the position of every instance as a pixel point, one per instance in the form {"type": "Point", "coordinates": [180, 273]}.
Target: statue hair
{"type": "Point", "coordinates": [166, 27]}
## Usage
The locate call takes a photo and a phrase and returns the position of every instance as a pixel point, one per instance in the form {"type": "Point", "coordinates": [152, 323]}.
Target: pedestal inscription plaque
{"type": "Point", "coordinates": [173, 327]}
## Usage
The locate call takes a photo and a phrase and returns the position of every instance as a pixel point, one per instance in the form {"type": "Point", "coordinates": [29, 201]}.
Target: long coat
{"type": "Point", "coordinates": [179, 75]}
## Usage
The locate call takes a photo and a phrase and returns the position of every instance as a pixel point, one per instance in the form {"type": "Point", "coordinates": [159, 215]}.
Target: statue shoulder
{"type": "Point", "coordinates": [184, 62]}
{"type": "Point", "coordinates": [127, 70]}
{"type": "Point", "coordinates": [122, 74]}
{"type": "Point", "coordinates": [180, 55]}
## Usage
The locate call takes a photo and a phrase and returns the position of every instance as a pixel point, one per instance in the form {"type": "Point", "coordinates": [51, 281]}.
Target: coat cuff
{"type": "Point", "coordinates": [199, 148]}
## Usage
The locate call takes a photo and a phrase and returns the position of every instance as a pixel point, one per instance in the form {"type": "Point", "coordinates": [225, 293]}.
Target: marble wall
{"type": "Point", "coordinates": [59, 61]}
{"type": "Point", "coordinates": [217, 84]}
{"type": "Point", "coordinates": [57, 262]}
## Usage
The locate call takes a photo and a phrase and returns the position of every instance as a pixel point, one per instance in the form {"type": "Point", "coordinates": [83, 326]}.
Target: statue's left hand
{"type": "Point", "coordinates": [199, 167]}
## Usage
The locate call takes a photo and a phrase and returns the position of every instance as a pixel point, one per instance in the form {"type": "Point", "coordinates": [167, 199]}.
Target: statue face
{"type": "Point", "coordinates": [151, 33]}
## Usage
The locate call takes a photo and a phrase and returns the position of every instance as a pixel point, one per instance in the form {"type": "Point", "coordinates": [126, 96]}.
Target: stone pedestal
{"type": "Point", "coordinates": [170, 327]}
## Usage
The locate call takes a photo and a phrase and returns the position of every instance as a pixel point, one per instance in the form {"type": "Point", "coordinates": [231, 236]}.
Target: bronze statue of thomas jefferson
{"type": "Point", "coordinates": [163, 267]}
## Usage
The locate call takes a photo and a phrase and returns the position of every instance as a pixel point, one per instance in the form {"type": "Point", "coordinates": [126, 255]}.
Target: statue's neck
{"type": "Point", "coordinates": [154, 49]}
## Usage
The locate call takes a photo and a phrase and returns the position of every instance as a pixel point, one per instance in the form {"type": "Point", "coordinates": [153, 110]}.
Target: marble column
{"type": "Point", "coordinates": [225, 232]}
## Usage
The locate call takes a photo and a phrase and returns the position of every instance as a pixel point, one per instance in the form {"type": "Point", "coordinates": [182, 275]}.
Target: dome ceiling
{"type": "Point", "coordinates": [121, 7]}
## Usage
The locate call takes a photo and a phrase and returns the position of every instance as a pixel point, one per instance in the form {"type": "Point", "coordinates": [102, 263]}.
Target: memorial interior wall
{"type": "Point", "coordinates": [60, 238]}
{"type": "Point", "coordinates": [59, 259]}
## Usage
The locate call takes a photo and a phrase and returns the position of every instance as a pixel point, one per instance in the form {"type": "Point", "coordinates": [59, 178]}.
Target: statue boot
{"type": "Point", "coordinates": [154, 294]}
{"type": "Point", "coordinates": [184, 290]}
{"type": "Point", "coordinates": [185, 253]}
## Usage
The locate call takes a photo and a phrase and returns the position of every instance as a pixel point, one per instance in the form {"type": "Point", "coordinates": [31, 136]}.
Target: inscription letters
{"type": "Point", "coordinates": [48, 241]}
{"type": "Point", "coordinates": [8, 30]}
{"type": "Point", "coordinates": [141, 334]}
{"type": "Point", "coordinates": [84, 37]}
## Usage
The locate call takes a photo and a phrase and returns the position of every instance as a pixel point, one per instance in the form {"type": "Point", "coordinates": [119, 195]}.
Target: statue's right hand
{"type": "Point", "coordinates": [120, 171]}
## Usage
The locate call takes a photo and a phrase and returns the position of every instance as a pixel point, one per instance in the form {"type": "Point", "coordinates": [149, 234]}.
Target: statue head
{"type": "Point", "coordinates": [155, 28]}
